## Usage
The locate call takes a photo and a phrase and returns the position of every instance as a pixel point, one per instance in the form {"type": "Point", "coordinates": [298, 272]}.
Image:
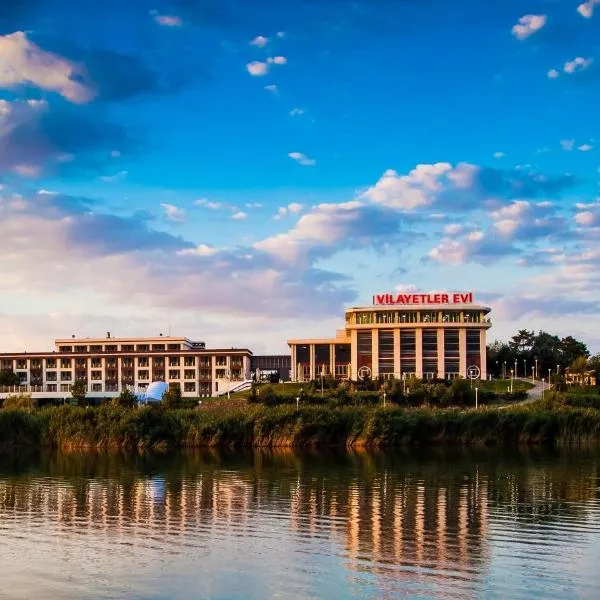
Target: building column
{"type": "Point", "coordinates": [294, 364]}
{"type": "Point", "coordinates": [483, 353]}
{"type": "Point", "coordinates": [441, 366]}
{"type": "Point", "coordinates": [419, 353]}
{"type": "Point", "coordinates": [374, 353]}
{"type": "Point", "coordinates": [353, 375]}
{"type": "Point", "coordinates": [462, 352]}
{"type": "Point", "coordinates": [332, 360]}
{"type": "Point", "coordinates": [397, 372]}
{"type": "Point", "coordinates": [312, 361]}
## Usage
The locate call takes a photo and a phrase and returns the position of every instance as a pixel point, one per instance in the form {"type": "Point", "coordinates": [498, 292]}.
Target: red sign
{"type": "Point", "coordinates": [412, 299]}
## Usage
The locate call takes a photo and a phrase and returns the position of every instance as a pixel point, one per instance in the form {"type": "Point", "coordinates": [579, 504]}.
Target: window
{"type": "Point", "coordinates": [174, 361]}
{"type": "Point", "coordinates": [189, 361]}
{"type": "Point", "coordinates": [50, 375]}
{"type": "Point", "coordinates": [205, 389]}
{"type": "Point", "coordinates": [80, 348]}
{"type": "Point", "coordinates": [143, 374]}
{"type": "Point", "coordinates": [127, 347]}
{"type": "Point", "coordinates": [96, 363]}
{"type": "Point", "coordinates": [51, 387]}
{"type": "Point", "coordinates": [65, 348]}
{"type": "Point", "coordinates": [80, 362]}
{"type": "Point", "coordinates": [158, 347]}
{"type": "Point", "coordinates": [96, 387]}
{"type": "Point", "coordinates": [112, 387]}
{"type": "Point", "coordinates": [143, 362]}
{"type": "Point", "coordinates": [408, 351]}
{"type": "Point", "coordinates": [189, 386]}
{"type": "Point", "coordinates": [221, 361]}
{"type": "Point", "coordinates": [50, 363]}
{"type": "Point", "coordinates": [65, 387]}
{"type": "Point", "coordinates": [111, 362]}
{"type": "Point", "coordinates": [8, 363]}
{"type": "Point", "coordinates": [66, 376]}
{"type": "Point", "coordinates": [36, 363]}
{"type": "Point", "coordinates": [127, 362]}
{"type": "Point", "coordinates": [65, 363]}
{"type": "Point", "coordinates": [96, 348]}
{"type": "Point", "coordinates": [174, 347]}
{"type": "Point", "coordinates": [430, 353]}
{"type": "Point", "coordinates": [205, 361]}
{"type": "Point", "coordinates": [96, 375]}
{"type": "Point", "coordinates": [158, 362]}
{"type": "Point", "coordinates": [205, 373]}
{"type": "Point", "coordinates": [189, 374]}
{"type": "Point", "coordinates": [386, 352]}
{"type": "Point", "coordinates": [174, 374]}
{"type": "Point", "coordinates": [111, 348]}
{"type": "Point", "coordinates": [143, 347]}
{"type": "Point", "coordinates": [220, 373]}
{"type": "Point", "coordinates": [21, 364]}
{"type": "Point", "coordinates": [451, 352]}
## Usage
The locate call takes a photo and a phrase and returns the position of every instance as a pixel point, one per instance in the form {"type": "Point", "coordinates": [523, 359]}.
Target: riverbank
{"type": "Point", "coordinates": [284, 426]}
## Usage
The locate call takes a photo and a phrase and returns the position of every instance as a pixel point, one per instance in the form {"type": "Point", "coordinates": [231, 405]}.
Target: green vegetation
{"type": "Point", "coordinates": [78, 392]}
{"type": "Point", "coordinates": [8, 378]}
{"type": "Point", "coordinates": [109, 426]}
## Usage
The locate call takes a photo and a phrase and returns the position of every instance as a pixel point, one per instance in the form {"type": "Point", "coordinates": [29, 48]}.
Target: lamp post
{"type": "Point", "coordinates": [504, 370]}
{"type": "Point", "coordinates": [533, 375]}
{"type": "Point", "coordinates": [524, 367]}
{"type": "Point", "coordinates": [536, 371]}
{"type": "Point", "coordinates": [549, 374]}
{"type": "Point", "coordinates": [511, 380]}
{"type": "Point", "coordinates": [516, 370]}
{"type": "Point", "coordinates": [543, 386]}
{"type": "Point", "coordinates": [297, 402]}
{"type": "Point", "coordinates": [476, 398]}
{"type": "Point", "coordinates": [384, 394]}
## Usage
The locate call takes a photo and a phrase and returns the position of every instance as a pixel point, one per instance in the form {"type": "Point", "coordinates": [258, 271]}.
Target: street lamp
{"type": "Point", "coordinates": [516, 370]}
{"type": "Point", "coordinates": [533, 375]}
{"type": "Point", "coordinates": [297, 402]}
{"type": "Point", "coordinates": [524, 367]}
{"type": "Point", "coordinates": [384, 399]}
{"type": "Point", "coordinates": [504, 370]}
{"type": "Point", "coordinates": [536, 371]}
{"type": "Point", "coordinates": [549, 374]}
{"type": "Point", "coordinates": [511, 380]}
{"type": "Point", "coordinates": [543, 387]}
{"type": "Point", "coordinates": [476, 397]}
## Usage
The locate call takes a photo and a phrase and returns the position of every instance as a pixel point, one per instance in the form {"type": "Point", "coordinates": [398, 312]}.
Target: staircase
{"type": "Point", "coordinates": [242, 386]}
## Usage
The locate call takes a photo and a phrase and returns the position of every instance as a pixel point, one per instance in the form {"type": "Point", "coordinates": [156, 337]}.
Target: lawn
{"type": "Point", "coordinates": [500, 386]}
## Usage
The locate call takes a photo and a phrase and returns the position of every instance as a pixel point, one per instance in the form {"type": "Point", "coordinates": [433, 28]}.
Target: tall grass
{"type": "Point", "coordinates": [151, 428]}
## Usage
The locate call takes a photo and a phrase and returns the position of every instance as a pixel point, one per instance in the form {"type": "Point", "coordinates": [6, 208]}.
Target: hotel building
{"type": "Point", "coordinates": [109, 365]}
{"type": "Point", "coordinates": [440, 335]}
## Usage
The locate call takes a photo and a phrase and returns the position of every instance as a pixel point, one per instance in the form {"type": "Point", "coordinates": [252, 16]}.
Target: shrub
{"type": "Point", "coordinates": [126, 399]}
{"type": "Point", "coordinates": [172, 398]}
{"type": "Point", "coordinates": [21, 402]}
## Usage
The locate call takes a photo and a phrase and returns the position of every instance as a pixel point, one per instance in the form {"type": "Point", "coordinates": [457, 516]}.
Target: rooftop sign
{"type": "Point", "coordinates": [412, 299]}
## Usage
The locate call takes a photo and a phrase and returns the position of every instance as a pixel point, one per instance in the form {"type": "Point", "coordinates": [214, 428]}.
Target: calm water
{"type": "Point", "coordinates": [396, 524]}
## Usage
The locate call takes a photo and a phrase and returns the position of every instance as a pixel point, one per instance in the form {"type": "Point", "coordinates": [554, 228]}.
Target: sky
{"type": "Point", "coordinates": [239, 172]}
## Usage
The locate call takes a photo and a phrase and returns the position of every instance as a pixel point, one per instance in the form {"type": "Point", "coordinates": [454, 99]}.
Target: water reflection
{"type": "Point", "coordinates": [440, 524]}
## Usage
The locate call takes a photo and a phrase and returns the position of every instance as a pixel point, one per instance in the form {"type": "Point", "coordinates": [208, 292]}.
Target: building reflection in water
{"type": "Point", "coordinates": [379, 510]}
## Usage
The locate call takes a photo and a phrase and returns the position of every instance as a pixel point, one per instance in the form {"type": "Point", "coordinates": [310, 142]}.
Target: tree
{"type": "Point", "coordinates": [522, 342]}
{"type": "Point", "coordinates": [594, 364]}
{"type": "Point", "coordinates": [546, 349]}
{"type": "Point", "coordinates": [126, 399]}
{"type": "Point", "coordinates": [78, 392]}
{"type": "Point", "coordinates": [570, 350]}
{"type": "Point", "coordinates": [173, 397]}
{"type": "Point", "coordinates": [9, 378]}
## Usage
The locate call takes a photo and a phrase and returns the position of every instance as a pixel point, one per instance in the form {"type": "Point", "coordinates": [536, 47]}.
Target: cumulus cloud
{"type": "Point", "coordinates": [528, 25]}
{"type": "Point", "coordinates": [25, 63]}
{"type": "Point", "coordinates": [553, 74]}
{"type": "Point", "coordinates": [260, 41]}
{"type": "Point", "coordinates": [292, 208]}
{"type": "Point", "coordinates": [585, 147]}
{"type": "Point", "coordinates": [302, 159]}
{"type": "Point", "coordinates": [167, 20]}
{"type": "Point", "coordinates": [257, 68]}
{"type": "Point", "coordinates": [120, 176]}
{"type": "Point", "coordinates": [271, 88]}
{"type": "Point", "coordinates": [239, 216]}
{"type": "Point", "coordinates": [577, 64]}
{"type": "Point", "coordinates": [296, 112]}
{"type": "Point", "coordinates": [209, 204]}
{"type": "Point", "coordinates": [499, 155]}
{"type": "Point", "coordinates": [200, 250]}
{"type": "Point", "coordinates": [586, 9]}
{"type": "Point", "coordinates": [172, 212]}
{"type": "Point", "coordinates": [277, 60]}
{"type": "Point", "coordinates": [567, 145]}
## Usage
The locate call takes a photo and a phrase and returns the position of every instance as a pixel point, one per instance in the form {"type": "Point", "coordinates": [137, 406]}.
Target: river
{"type": "Point", "coordinates": [452, 523]}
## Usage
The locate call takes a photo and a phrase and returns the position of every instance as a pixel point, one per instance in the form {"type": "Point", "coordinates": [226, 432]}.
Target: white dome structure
{"type": "Point", "coordinates": [155, 391]}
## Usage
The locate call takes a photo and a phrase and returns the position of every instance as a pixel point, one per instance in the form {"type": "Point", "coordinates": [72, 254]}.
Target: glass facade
{"type": "Point", "coordinates": [415, 316]}
{"type": "Point", "coordinates": [365, 353]}
{"type": "Point", "coordinates": [408, 351]}
{"type": "Point", "coordinates": [430, 354]}
{"type": "Point", "coordinates": [451, 352]}
{"type": "Point", "coordinates": [386, 352]}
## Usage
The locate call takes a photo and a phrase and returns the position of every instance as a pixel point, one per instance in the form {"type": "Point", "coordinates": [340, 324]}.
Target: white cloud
{"type": "Point", "coordinates": [239, 216]}
{"type": "Point", "coordinates": [292, 208]}
{"type": "Point", "coordinates": [553, 74]}
{"type": "Point", "coordinates": [585, 147]}
{"type": "Point", "coordinates": [172, 212]}
{"type": "Point", "coordinates": [567, 145]}
{"type": "Point", "coordinates": [277, 60]}
{"type": "Point", "coordinates": [168, 20]}
{"type": "Point", "coordinates": [302, 159]}
{"type": "Point", "coordinates": [271, 88]}
{"type": "Point", "coordinates": [281, 34]}
{"type": "Point", "coordinates": [260, 41]}
{"type": "Point", "coordinates": [499, 155]}
{"type": "Point", "coordinates": [587, 8]}
{"type": "Point", "coordinates": [120, 176]}
{"type": "Point", "coordinates": [208, 204]}
{"type": "Point", "coordinates": [115, 154]}
{"type": "Point", "coordinates": [296, 112]}
{"type": "Point", "coordinates": [257, 68]}
{"type": "Point", "coordinates": [587, 218]}
{"type": "Point", "coordinates": [253, 205]}
{"type": "Point", "coordinates": [406, 288]}
{"type": "Point", "coordinates": [201, 250]}
{"type": "Point", "coordinates": [23, 62]}
{"type": "Point", "coordinates": [453, 229]}
{"type": "Point", "coordinates": [528, 25]}
{"type": "Point", "coordinates": [577, 64]}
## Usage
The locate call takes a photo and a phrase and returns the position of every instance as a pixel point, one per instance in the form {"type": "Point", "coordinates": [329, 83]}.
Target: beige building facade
{"type": "Point", "coordinates": [109, 365]}
{"type": "Point", "coordinates": [401, 335]}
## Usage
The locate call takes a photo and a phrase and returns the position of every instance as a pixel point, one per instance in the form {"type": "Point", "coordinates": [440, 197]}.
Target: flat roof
{"type": "Point", "coordinates": [111, 339]}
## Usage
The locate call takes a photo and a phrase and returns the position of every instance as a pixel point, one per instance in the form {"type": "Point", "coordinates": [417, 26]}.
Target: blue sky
{"type": "Point", "coordinates": [240, 171]}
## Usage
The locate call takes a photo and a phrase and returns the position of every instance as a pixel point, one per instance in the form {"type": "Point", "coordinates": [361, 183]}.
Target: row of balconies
{"type": "Point", "coordinates": [67, 363]}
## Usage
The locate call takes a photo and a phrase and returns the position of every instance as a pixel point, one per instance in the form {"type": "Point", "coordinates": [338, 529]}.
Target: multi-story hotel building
{"type": "Point", "coordinates": [109, 365]}
{"type": "Point", "coordinates": [438, 335]}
